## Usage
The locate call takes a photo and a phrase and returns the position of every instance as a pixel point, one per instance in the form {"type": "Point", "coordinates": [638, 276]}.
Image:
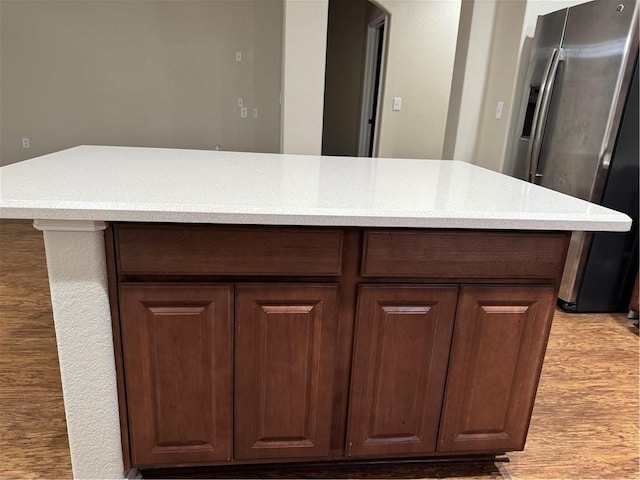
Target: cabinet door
{"type": "Point", "coordinates": [177, 349]}
{"type": "Point", "coordinates": [284, 368]}
{"type": "Point", "coordinates": [497, 351]}
{"type": "Point", "coordinates": [402, 340]}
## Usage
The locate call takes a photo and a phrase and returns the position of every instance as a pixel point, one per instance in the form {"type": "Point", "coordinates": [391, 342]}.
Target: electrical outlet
{"type": "Point", "coordinates": [25, 143]}
{"type": "Point", "coordinates": [243, 112]}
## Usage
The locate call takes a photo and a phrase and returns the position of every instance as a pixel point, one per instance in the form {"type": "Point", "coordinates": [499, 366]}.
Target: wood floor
{"type": "Point", "coordinates": [584, 425]}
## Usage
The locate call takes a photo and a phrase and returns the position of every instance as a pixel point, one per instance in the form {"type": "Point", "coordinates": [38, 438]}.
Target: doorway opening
{"type": "Point", "coordinates": [371, 86]}
{"type": "Point", "coordinates": [356, 50]}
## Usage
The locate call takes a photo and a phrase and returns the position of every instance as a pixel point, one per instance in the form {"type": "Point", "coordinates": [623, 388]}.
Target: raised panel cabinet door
{"type": "Point", "coordinates": [284, 368]}
{"type": "Point", "coordinates": [177, 353]}
{"type": "Point", "coordinates": [498, 347]}
{"type": "Point", "coordinates": [402, 341]}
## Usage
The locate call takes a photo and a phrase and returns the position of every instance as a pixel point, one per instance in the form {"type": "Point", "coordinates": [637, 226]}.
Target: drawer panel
{"type": "Point", "coordinates": [213, 250]}
{"type": "Point", "coordinates": [464, 254]}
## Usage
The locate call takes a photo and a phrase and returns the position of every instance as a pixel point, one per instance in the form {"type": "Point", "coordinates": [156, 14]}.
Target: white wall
{"type": "Point", "coordinates": [147, 73]}
{"type": "Point", "coordinates": [419, 68]}
{"type": "Point", "coordinates": [305, 44]}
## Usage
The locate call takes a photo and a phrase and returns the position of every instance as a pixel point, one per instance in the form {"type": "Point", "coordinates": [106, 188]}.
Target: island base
{"type": "Point", "coordinates": [255, 345]}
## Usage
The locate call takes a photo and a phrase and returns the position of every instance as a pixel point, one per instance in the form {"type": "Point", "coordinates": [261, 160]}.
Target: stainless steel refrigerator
{"type": "Point", "coordinates": [578, 134]}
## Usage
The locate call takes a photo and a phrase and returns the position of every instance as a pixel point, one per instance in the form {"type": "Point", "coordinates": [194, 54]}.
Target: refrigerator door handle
{"type": "Point", "coordinates": [546, 89]}
{"type": "Point", "coordinates": [536, 113]}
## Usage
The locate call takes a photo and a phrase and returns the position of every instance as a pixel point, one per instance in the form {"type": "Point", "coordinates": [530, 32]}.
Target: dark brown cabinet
{"type": "Point", "coordinates": [402, 342]}
{"type": "Point", "coordinates": [177, 353]}
{"type": "Point", "coordinates": [263, 344]}
{"type": "Point", "coordinates": [284, 367]}
{"type": "Point", "coordinates": [498, 346]}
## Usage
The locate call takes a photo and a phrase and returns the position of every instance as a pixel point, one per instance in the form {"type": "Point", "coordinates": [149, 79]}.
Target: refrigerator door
{"type": "Point", "coordinates": [599, 50]}
{"type": "Point", "coordinates": [586, 104]}
{"type": "Point", "coordinates": [612, 264]}
{"type": "Point", "coordinates": [546, 45]}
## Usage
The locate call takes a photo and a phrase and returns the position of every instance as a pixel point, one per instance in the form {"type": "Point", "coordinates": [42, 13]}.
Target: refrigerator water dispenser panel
{"type": "Point", "coordinates": [534, 91]}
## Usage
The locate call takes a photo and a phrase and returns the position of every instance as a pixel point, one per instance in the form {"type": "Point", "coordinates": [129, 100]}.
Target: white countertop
{"type": "Point", "coordinates": [193, 186]}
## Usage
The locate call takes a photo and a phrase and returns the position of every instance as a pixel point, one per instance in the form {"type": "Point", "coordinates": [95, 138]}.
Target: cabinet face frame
{"type": "Point", "coordinates": [195, 379]}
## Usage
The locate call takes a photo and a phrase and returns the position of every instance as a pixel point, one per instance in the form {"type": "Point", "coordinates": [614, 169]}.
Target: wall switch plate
{"type": "Point", "coordinates": [243, 112]}
{"type": "Point", "coordinates": [255, 113]}
{"type": "Point", "coordinates": [499, 108]}
{"type": "Point", "coordinates": [240, 102]}
{"type": "Point", "coordinates": [238, 56]}
{"type": "Point", "coordinates": [397, 104]}
{"type": "Point", "coordinates": [25, 143]}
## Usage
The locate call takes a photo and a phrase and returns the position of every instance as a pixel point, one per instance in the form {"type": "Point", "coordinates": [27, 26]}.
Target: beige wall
{"type": "Point", "coordinates": [147, 73]}
{"type": "Point", "coordinates": [477, 18]}
{"type": "Point", "coordinates": [501, 78]}
{"type": "Point", "coordinates": [304, 52]}
{"type": "Point", "coordinates": [419, 68]}
{"type": "Point", "coordinates": [421, 39]}
{"type": "Point", "coordinates": [163, 73]}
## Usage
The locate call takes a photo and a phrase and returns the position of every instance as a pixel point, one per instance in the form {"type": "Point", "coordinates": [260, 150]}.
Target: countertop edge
{"type": "Point", "coordinates": [591, 224]}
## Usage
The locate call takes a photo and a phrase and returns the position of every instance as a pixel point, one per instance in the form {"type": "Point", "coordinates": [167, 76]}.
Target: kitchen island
{"type": "Point", "coordinates": [253, 308]}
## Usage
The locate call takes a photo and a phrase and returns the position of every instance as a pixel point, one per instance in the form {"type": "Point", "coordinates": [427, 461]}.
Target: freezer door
{"type": "Point", "coordinates": [548, 37]}
{"type": "Point", "coordinates": [600, 47]}
{"type": "Point", "coordinates": [612, 259]}
{"type": "Point", "coordinates": [586, 104]}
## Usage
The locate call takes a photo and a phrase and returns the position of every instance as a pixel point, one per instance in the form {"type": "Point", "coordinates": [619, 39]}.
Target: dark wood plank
{"type": "Point", "coordinates": [586, 418]}
{"type": "Point", "coordinates": [464, 254]}
{"type": "Point", "coordinates": [497, 351]}
{"type": "Point", "coordinates": [33, 431]}
{"type": "Point", "coordinates": [284, 368]}
{"type": "Point", "coordinates": [402, 339]}
{"type": "Point", "coordinates": [215, 250]}
{"type": "Point", "coordinates": [177, 350]}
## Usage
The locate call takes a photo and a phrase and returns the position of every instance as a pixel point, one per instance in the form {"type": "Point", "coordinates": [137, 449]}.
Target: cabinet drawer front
{"type": "Point", "coordinates": [458, 254]}
{"type": "Point", "coordinates": [210, 250]}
